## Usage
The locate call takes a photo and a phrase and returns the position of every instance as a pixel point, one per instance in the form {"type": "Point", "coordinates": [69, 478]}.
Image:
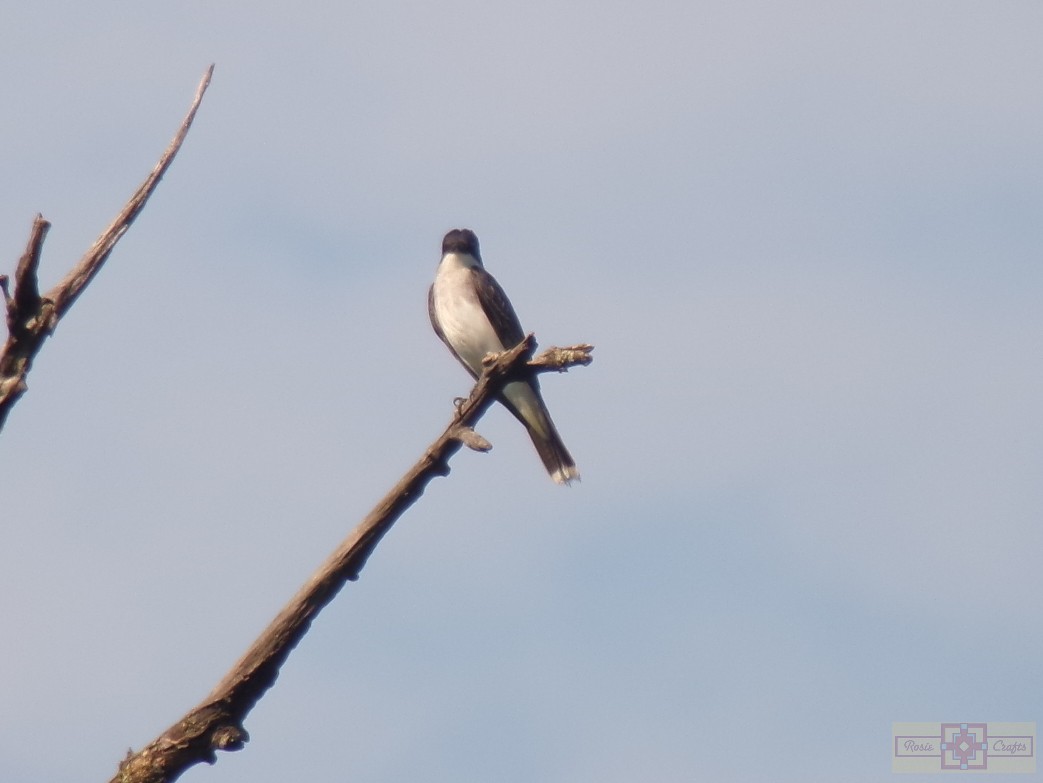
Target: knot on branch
{"type": "Point", "coordinates": [229, 738]}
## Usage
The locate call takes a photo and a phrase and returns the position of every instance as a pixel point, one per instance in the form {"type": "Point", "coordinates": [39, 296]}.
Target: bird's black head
{"type": "Point", "coordinates": [461, 240]}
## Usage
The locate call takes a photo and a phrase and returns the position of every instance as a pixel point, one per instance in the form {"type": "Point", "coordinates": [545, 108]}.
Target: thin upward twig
{"type": "Point", "coordinates": [217, 723]}
{"type": "Point", "coordinates": [32, 318]}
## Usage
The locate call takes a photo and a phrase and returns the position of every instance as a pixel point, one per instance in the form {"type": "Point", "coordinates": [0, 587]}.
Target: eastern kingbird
{"type": "Point", "coordinates": [473, 316]}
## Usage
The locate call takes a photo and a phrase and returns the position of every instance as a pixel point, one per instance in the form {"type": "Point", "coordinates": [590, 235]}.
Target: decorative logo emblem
{"type": "Point", "coordinates": [978, 747]}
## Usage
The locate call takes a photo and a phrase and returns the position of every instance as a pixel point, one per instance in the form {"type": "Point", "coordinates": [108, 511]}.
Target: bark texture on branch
{"type": "Point", "coordinates": [217, 723]}
{"type": "Point", "coordinates": [31, 318]}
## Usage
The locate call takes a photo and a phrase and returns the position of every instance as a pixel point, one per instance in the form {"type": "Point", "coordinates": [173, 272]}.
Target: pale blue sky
{"type": "Point", "coordinates": [805, 239]}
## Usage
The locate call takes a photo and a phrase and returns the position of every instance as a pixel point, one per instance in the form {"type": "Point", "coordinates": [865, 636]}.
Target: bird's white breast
{"type": "Point", "coordinates": [460, 314]}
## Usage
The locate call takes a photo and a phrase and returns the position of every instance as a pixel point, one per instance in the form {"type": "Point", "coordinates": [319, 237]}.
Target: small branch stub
{"type": "Point", "coordinates": [471, 439]}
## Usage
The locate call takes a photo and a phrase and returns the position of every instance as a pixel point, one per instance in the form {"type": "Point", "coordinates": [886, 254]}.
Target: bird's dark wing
{"type": "Point", "coordinates": [497, 308]}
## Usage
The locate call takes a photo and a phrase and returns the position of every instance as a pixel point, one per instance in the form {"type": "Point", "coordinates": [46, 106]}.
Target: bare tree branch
{"type": "Point", "coordinates": [217, 723]}
{"type": "Point", "coordinates": [31, 319]}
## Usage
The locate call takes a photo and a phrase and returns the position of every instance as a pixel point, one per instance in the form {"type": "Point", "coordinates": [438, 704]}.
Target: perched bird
{"type": "Point", "coordinates": [473, 316]}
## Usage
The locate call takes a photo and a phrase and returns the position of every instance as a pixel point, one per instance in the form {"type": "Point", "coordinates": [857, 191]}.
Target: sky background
{"type": "Point", "coordinates": [805, 240]}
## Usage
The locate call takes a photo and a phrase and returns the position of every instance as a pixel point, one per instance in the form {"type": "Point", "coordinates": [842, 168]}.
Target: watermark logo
{"type": "Point", "coordinates": [964, 747]}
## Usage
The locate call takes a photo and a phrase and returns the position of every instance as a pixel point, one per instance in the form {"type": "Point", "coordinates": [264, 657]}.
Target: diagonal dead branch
{"type": "Point", "coordinates": [66, 292]}
{"type": "Point", "coordinates": [32, 318]}
{"type": "Point", "coordinates": [217, 723]}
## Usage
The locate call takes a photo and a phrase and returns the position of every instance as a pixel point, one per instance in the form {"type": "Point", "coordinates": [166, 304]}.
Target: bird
{"type": "Point", "coordinates": [472, 315]}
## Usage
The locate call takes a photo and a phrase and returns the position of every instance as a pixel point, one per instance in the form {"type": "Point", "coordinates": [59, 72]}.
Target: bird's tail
{"type": "Point", "coordinates": [556, 458]}
{"type": "Point", "coordinates": [523, 399]}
